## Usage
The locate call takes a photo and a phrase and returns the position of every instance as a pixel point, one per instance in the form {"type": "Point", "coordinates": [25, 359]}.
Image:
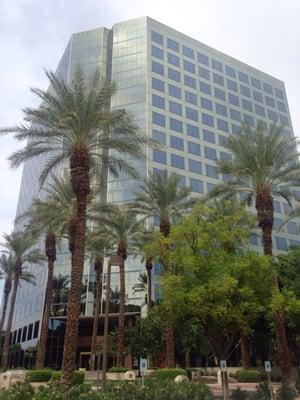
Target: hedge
{"type": "Point", "coordinates": [39, 375]}
{"type": "Point", "coordinates": [78, 377]}
{"type": "Point", "coordinates": [119, 369]}
{"type": "Point", "coordinates": [169, 373]}
{"type": "Point", "coordinates": [248, 375]}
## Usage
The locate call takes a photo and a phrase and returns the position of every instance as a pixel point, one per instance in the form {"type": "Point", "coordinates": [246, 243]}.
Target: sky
{"type": "Point", "coordinates": [34, 34]}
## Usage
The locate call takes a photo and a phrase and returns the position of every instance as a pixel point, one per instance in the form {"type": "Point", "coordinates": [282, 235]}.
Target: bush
{"type": "Point", "coordinates": [239, 394]}
{"type": "Point", "coordinates": [39, 375]}
{"type": "Point", "coordinates": [262, 392]}
{"type": "Point", "coordinates": [248, 375]}
{"type": "Point", "coordinates": [169, 373]}
{"type": "Point", "coordinates": [286, 393]}
{"type": "Point", "coordinates": [119, 369]}
{"type": "Point", "coordinates": [78, 377]}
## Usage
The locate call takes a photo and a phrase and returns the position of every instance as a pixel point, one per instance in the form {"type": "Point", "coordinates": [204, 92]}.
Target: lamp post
{"type": "Point", "coordinates": [113, 261]}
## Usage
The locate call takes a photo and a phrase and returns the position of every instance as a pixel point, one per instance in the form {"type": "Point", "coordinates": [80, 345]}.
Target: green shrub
{"type": "Point", "coordinates": [286, 393]}
{"type": "Point", "coordinates": [39, 375]}
{"type": "Point", "coordinates": [239, 394]}
{"type": "Point", "coordinates": [78, 377]}
{"type": "Point", "coordinates": [189, 371]}
{"type": "Point", "coordinates": [169, 373]}
{"type": "Point", "coordinates": [248, 375]}
{"type": "Point", "coordinates": [119, 369]}
{"type": "Point", "coordinates": [262, 392]}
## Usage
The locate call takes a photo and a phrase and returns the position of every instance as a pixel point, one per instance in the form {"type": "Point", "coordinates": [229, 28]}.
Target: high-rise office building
{"type": "Point", "coordinates": [189, 97]}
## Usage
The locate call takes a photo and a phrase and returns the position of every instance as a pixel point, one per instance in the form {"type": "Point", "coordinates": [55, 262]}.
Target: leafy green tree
{"type": "Point", "coordinates": [73, 122]}
{"type": "Point", "coordinates": [6, 273]}
{"type": "Point", "coordinates": [161, 197]}
{"type": "Point", "coordinates": [19, 246]}
{"type": "Point", "coordinates": [264, 164]}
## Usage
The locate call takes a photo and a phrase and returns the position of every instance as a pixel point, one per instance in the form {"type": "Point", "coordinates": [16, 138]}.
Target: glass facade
{"type": "Point", "coordinates": [184, 94]}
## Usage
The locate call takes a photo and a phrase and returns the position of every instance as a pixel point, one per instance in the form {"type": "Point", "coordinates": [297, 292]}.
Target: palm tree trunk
{"type": "Point", "coordinates": [79, 166]}
{"type": "Point", "coordinates": [17, 273]}
{"type": "Point", "coordinates": [121, 324]}
{"type": "Point", "coordinates": [50, 251]}
{"type": "Point", "coordinates": [265, 214]}
{"type": "Point", "coordinates": [170, 345]}
{"type": "Point", "coordinates": [245, 350]}
{"type": "Point", "coordinates": [106, 326]}
{"type": "Point", "coordinates": [6, 292]}
{"type": "Point", "coordinates": [187, 359]}
{"type": "Point", "coordinates": [149, 282]}
{"type": "Point", "coordinates": [98, 295]}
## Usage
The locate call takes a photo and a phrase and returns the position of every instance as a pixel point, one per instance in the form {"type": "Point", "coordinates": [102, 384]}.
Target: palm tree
{"type": "Point", "coordinates": [97, 244]}
{"type": "Point", "coordinates": [142, 283]}
{"type": "Point", "coordinates": [72, 124]}
{"type": "Point", "coordinates": [7, 272]}
{"type": "Point", "coordinates": [121, 226]}
{"type": "Point", "coordinates": [19, 247]}
{"type": "Point", "coordinates": [161, 197]}
{"type": "Point", "coordinates": [264, 164]}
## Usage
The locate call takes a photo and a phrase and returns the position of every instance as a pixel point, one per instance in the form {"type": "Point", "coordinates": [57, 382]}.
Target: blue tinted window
{"type": "Point", "coordinates": [209, 136]}
{"type": "Point", "coordinates": [279, 93]}
{"type": "Point", "coordinates": [243, 77]}
{"type": "Point", "coordinates": [230, 71]}
{"type": "Point", "coordinates": [175, 75]}
{"type": "Point", "coordinates": [256, 83]}
{"type": "Point", "coordinates": [158, 53]}
{"type": "Point", "coordinates": [191, 98]}
{"type": "Point", "coordinates": [172, 59]}
{"type": "Point", "coordinates": [172, 44]}
{"type": "Point", "coordinates": [294, 243]}
{"type": "Point", "coordinates": [158, 101]}
{"type": "Point", "coordinates": [210, 186]}
{"type": "Point", "coordinates": [211, 171]}
{"type": "Point", "coordinates": [283, 119]}
{"type": "Point", "coordinates": [210, 153]}
{"type": "Point", "coordinates": [245, 91]}
{"type": "Point", "coordinates": [204, 73]}
{"type": "Point", "coordinates": [190, 113]}
{"type": "Point", "coordinates": [287, 208]}
{"type": "Point", "coordinates": [249, 120]}
{"type": "Point", "coordinates": [175, 91]}
{"type": "Point", "coordinates": [157, 68]}
{"type": "Point", "coordinates": [222, 125]}
{"type": "Point", "coordinates": [176, 125]}
{"type": "Point", "coordinates": [232, 85]}
{"type": "Point", "coordinates": [207, 119]}
{"type": "Point", "coordinates": [269, 101]}
{"type": "Point", "coordinates": [205, 88]}
{"type": "Point", "coordinates": [235, 129]}
{"type": "Point", "coordinates": [292, 228]}
{"type": "Point", "coordinates": [217, 65]}
{"type": "Point", "coordinates": [206, 103]}
{"type": "Point", "coordinates": [159, 136]}
{"type": "Point", "coordinates": [225, 156]}
{"type": "Point", "coordinates": [281, 106]}
{"type": "Point", "coordinates": [247, 105]}
{"type": "Point", "coordinates": [272, 115]}
{"type": "Point", "coordinates": [260, 110]}
{"type": "Point", "coordinates": [254, 239]}
{"type": "Point", "coordinates": [194, 148]}
{"type": "Point", "coordinates": [158, 119]}
{"type": "Point", "coordinates": [218, 79]}
{"type": "Point", "coordinates": [157, 84]}
{"type": "Point", "coordinates": [258, 96]}
{"type": "Point", "coordinates": [195, 166]}
{"type": "Point", "coordinates": [176, 142]}
{"type": "Point", "coordinates": [181, 182]}
{"type": "Point", "coordinates": [223, 140]}
{"type": "Point", "coordinates": [188, 66]}
{"type": "Point", "coordinates": [157, 37]}
{"type": "Point", "coordinates": [188, 52]}
{"type": "Point", "coordinates": [192, 130]}
{"type": "Point", "coordinates": [220, 109]}
{"type": "Point", "coordinates": [159, 156]}
{"type": "Point", "coordinates": [189, 81]}
{"type": "Point", "coordinates": [220, 94]}
{"type": "Point", "coordinates": [177, 161]}
{"type": "Point", "coordinates": [267, 88]}
{"type": "Point", "coordinates": [175, 108]}
{"type": "Point", "coordinates": [276, 205]}
{"type": "Point", "coordinates": [233, 99]}
{"type": "Point", "coordinates": [234, 114]}
{"type": "Point", "coordinates": [203, 59]}
{"type": "Point", "coordinates": [158, 171]}
{"type": "Point", "coordinates": [281, 243]}
{"type": "Point", "coordinates": [196, 185]}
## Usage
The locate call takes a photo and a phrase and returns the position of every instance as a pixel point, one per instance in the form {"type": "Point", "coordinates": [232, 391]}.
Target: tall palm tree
{"type": "Point", "coordinates": [97, 245]}
{"type": "Point", "coordinates": [72, 124]}
{"type": "Point", "coordinates": [7, 272]}
{"type": "Point", "coordinates": [20, 250]}
{"type": "Point", "coordinates": [264, 165]}
{"type": "Point", "coordinates": [160, 196]}
{"type": "Point", "coordinates": [121, 226]}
